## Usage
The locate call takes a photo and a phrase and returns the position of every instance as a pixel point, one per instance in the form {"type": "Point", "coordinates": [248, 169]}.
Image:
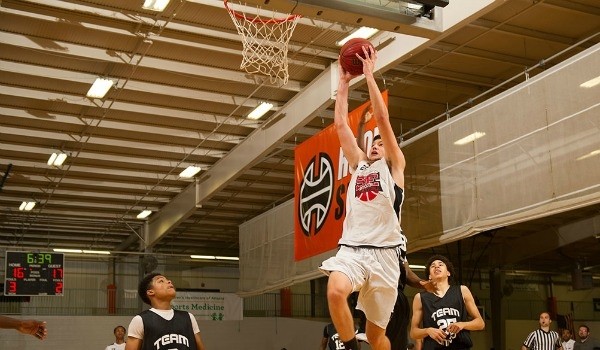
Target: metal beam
{"type": "Point", "coordinates": [180, 116]}
{"type": "Point", "coordinates": [132, 85]}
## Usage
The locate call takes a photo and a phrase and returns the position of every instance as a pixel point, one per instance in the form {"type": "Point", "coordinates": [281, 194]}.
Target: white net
{"type": "Point", "coordinates": [265, 44]}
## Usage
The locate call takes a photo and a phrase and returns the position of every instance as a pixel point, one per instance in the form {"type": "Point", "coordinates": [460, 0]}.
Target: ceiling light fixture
{"type": "Point", "coordinates": [99, 88]}
{"type": "Point", "coordinates": [259, 111]}
{"type": "Point", "coordinates": [362, 32]}
{"type": "Point", "coordinates": [81, 251]}
{"type": "Point", "coordinates": [213, 257]}
{"type": "Point", "coordinates": [26, 206]}
{"type": "Point", "coordinates": [232, 258]}
{"type": "Point", "coordinates": [469, 138]}
{"type": "Point", "coordinates": [57, 159]}
{"type": "Point", "coordinates": [190, 171]}
{"type": "Point", "coordinates": [65, 250]}
{"type": "Point", "coordinates": [155, 5]}
{"type": "Point", "coordinates": [204, 257]}
{"type": "Point", "coordinates": [144, 214]}
{"type": "Point", "coordinates": [591, 83]}
{"type": "Point", "coordinates": [414, 6]}
{"type": "Point", "coordinates": [101, 252]}
{"type": "Point", "coordinates": [591, 154]}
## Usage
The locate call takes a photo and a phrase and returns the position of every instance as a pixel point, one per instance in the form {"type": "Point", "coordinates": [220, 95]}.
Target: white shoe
{"type": "Point", "coordinates": [362, 337]}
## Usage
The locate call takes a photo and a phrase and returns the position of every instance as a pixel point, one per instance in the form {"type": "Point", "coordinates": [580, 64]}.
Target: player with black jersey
{"type": "Point", "coordinates": [162, 327]}
{"type": "Point", "coordinates": [331, 339]}
{"type": "Point", "coordinates": [441, 318]}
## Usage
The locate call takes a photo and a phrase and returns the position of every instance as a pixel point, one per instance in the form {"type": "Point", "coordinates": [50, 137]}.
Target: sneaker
{"type": "Point", "coordinates": [362, 337]}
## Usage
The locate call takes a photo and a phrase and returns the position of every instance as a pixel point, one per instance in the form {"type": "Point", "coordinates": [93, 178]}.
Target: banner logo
{"type": "Point", "coordinates": [316, 193]}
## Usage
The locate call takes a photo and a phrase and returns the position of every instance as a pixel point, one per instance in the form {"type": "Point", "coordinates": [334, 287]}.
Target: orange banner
{"type": "Point", "coordinates": [321, 180]}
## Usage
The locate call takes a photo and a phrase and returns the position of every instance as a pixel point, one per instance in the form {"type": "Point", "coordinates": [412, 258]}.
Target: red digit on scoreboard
{"type": "Point", "coordinates": [58, 287]}
{"type": "Point", "coordinates": [57, 273]}
{"type": "Point", "coordinates": [12, 287]}
{"type": "Point", "coordinates": [19, 272]}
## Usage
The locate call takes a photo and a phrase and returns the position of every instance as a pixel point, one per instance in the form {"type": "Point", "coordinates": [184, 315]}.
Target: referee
{"type": "Point", "coordinates": [542, 338]}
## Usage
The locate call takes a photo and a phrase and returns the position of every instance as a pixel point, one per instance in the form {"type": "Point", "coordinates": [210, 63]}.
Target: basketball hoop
{"type": "Point", "coordinates": [265, 43]}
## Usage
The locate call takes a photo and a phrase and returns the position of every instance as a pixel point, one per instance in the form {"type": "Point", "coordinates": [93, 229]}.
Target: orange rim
{"type": "Point", "coordinates": [258, 19]}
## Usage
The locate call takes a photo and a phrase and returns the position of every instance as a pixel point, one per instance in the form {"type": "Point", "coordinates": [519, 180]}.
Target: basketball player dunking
{"type": "Point", "coordinates": [372, 247]}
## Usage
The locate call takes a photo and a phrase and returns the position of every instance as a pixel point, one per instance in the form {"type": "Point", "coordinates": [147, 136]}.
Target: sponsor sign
{"type": "Point", "coordinates": [321, 181]}
{"type": "Point", "coordinates": [210, 306]}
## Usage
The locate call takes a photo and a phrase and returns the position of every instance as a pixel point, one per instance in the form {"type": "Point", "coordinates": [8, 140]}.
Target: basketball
{"type": "Point", "coordinates": [348, 59]}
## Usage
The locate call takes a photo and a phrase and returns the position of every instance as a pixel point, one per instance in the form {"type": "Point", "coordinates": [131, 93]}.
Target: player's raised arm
{"type": "Point", "coordinates": [393, 154]}
{"type": "Point", "coordinates": [352, 152]}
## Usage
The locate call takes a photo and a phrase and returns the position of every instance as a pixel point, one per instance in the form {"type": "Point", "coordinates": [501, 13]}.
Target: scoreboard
{"type": "Point", "coordinates": [29, 273]}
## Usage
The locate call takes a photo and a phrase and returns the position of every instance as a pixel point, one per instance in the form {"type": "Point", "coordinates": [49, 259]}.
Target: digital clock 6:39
{"type": "Point", "coordinates": [33, 273]}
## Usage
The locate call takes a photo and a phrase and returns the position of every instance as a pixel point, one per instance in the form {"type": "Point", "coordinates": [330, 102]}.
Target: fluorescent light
{"type": "Point", "coordinates": [102, 252]}
{"type": "Point", "coordinates": [212, 257]}
{"type": "Point", "coordinates": [205, 257]}
{"type": "Point", "coordinates": [79, 251]}
{"type": "Point", "coordinates": [410, 5]}
{"type": "Point", "coordinates": [99, 88]}
{"type": "Point", "coordinates": [417, 267]}
{"type": "Point", "coordinates": [26, 206]}
{"type": "Point", "coordinates": [57, 159]}
{"type": "Point", "coordinates": [259, 111]}
{"type": "Point", "coordinates": [60, 159]}
{"type": "Point", "coordinates": [52, 158]}
{"type": "Point", "coordinates": [63, 250]}
{"type": "Point", "coordinates": [144, 214]}
{"type": "Point", "coordinates": [155, 5]}
{"type": "Point", "coordinates": [362, 32]}
{"type": "Point", "coordinates": [235, 258]}
{"type": "Point", "coordinates": [591, 83]}
{"type": "Point", "coordinates": [591, 154]}
{"type": "Point", "coordinates": [470, 138]}
{"type": "Point", "coordinates": [190, 171]}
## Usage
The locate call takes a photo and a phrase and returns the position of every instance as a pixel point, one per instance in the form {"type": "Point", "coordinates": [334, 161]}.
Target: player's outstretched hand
{"type": "Point", "coordinates": [345, 75]}
{"type": "Point", "coordinates": [428, 285]}
{"type": "Point", "coordinates": [33, 327]}
{"type": "Point", "coordinates": [368, 62]}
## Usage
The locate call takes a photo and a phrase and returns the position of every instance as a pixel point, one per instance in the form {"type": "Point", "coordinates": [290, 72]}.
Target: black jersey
{"type": "Point", "coordinates": [160, 334]}
{"type": "Point", "coordinates": [440, 313]}
{"type": "Point", "coordinates": [333, 339]}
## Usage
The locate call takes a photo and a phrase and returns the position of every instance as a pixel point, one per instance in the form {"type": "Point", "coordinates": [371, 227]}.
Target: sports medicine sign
{"type": "Point", "coordinates": [210, 306]}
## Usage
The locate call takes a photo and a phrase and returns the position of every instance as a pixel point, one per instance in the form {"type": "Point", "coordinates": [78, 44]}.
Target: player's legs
{"type": "Point", "coordinates": [339, 288]}
{"type": "Point", "coordinates": [377, 338]}
{"type": "Point", "coordinates": [378, 295]}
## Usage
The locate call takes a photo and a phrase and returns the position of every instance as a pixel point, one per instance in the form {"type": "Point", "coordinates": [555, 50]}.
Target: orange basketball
{"type": "Point", "coordinates": [348, 59]}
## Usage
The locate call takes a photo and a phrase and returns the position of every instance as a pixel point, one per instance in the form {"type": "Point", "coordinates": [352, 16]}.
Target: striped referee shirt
{"type": "Point", "coordinates": [542, 340]}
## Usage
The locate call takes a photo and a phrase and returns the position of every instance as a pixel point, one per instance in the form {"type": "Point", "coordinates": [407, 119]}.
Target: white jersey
{"type": "Point", "coordinates": [116, 346]}
{"type": "Point", "coordinates": [568, 345]}
{"type": "Point", "coordinates": [373, 208]}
